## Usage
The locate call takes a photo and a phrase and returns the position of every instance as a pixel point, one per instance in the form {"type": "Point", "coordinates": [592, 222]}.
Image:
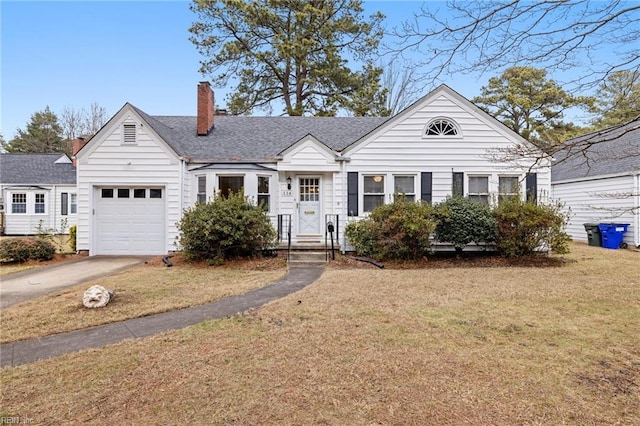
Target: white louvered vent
{"type": "Point", "coordinates": [129, 133]}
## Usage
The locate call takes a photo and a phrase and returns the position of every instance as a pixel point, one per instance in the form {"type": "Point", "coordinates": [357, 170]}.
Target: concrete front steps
{"type": "Point", "coordinates": [299, 257]}
{"type": "Point", "coordinates": [309, 252]}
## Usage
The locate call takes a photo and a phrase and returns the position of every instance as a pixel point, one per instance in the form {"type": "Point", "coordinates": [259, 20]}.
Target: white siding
{"type": "Point", "coordinates": [608, 200]}
{"type": "Point", "coordinates": [108, 162]}
{"type": "Point", "coordinates": [30, 223]}
{"type": "Point", "coordinates": [402, 149]}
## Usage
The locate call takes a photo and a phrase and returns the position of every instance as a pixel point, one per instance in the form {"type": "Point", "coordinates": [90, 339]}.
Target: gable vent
{"type": "Point", "coordinates": [129, 133]}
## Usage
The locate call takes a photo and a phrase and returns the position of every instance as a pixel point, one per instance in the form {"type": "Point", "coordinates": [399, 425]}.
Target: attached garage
{"type": "Point", "coordinates": [130, 220]}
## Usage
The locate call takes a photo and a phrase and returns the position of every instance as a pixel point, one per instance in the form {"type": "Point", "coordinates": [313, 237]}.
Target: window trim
{"type": "Point", "coordinates": [406, 194]}
{"type": "Point", "coordinates": [478, 194]}
{"type": "Point", "coordinates": [201, 196]}
{"type": "Point", "coordinates": [37, 204]}
{"type": "Point", "coordinates": [504, 195]}
{"type": "Point", "coordinates": [73, 203]}
{"type": "Point", "coordinates": [18, 203]}
{"type": "Point", "coordinates": [365, 194]}
{"type": "Point", "coordinates": [231, 175]}
{"type": "Point", "coordinates": [264, 195]}
{"type": "Point", "coordinates": [451, 122]}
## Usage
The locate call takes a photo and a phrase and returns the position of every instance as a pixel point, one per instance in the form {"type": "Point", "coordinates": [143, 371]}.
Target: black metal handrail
{"type": "Point", "coordinates": [332, 226]}
{"type": "Point", "coordinates": [284, 228]}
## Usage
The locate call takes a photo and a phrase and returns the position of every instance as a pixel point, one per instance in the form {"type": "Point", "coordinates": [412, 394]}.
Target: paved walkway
{"type": "Point", "coordinates": [26, 351]}
{"type": "Point", "coordinates": [21, 286]}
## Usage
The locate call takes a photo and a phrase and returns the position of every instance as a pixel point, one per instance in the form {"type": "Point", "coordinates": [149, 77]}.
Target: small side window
{"type": "Point", "coordinates": [74, 203]}
{"type": "Point", "coordinates": [202, 189]}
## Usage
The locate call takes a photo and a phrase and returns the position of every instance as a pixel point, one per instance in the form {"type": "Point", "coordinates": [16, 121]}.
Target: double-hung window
{"type": "Point", "coordinates": [373, 194]}
{"type": "Point", "coordinates": [73, 207]}
{"type": "Point", "coordinates": [202, 189]}
{"type": "Point", "coordinates": [38, 206]}
{"type": "Point", "coordinates": [508, 187]}
{"type": "Point", "coordinates": [19, 203]}
{"type": "Point", "coordinates": [263, 192]}
{"type": "Point", "coordinates": [479, 189]}
{"type": "Point", "coordinates": [404, 186]}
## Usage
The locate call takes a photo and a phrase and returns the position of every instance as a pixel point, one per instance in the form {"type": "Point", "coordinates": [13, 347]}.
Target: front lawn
{"type": "Point", "coordinates": [445, 346]}
{"type": "Point", "coordinates": [140, 291]}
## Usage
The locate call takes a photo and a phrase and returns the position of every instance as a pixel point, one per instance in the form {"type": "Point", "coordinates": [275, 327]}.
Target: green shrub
{"type": "Point", "coordinates": [524, 227]}
{"type": "Point", "coordinates": [462, 221]}
{"type": "Point", "coordinates": [399, 230]}
{"type": "Point", "coordinates": [23, 249]}
{"type": "Point", "coordinates": [72, 238]}
{"type": "Point", "coordinates": [225, 228]}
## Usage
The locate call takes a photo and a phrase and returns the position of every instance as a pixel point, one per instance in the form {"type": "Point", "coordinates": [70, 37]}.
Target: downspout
{"type": "Point", "coordinates": [53, 202]}
{"type": "Point", "coordinates": [183, 167]}
{"type": "Point", "coordinates": [636, 209]}
{"type": "Point", "coordinates": [345, 210]}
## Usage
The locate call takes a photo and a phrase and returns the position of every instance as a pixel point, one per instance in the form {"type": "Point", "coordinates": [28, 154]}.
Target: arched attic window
{"type": "Point", "coordinates": [439, 127]}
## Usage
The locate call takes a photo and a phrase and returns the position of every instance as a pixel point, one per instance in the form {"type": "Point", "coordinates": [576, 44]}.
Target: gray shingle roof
{"type": "Point", "coordinates": [256, 139]}
{"type": "Point", "coordinates": [610, 151]}
{"type": "Point", "coordinates": [36, 169]}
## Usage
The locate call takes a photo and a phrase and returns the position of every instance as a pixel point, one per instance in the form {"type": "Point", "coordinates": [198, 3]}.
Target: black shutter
{"type": "Point", "coordinates": [425, 186]}
{"type": "Point", "coordinates": [532, 187]}
{"type": "Point", "coordinates": [457, 187]}
{"type": "Point", "coordinates": [352, 193]}
{"type": "Point", "coordinates": [64, 203]}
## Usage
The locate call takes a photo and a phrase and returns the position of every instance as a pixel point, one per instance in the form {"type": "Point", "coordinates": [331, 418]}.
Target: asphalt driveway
{"type": "Point", "coordinates": [21, 286]}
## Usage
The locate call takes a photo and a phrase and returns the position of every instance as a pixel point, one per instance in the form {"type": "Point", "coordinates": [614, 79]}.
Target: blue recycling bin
{"type": "Point", "coordinates": [612, 234]}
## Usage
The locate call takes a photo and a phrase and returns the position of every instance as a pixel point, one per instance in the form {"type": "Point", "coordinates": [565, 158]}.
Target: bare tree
{"type": "Point", "coordinates": [401, 87]}
{"type": "Point", "coordinates": [72, 121]}
{"type": "Point", "coordinates": [80, 122]}
{"type": "Point", "coordinates": [96, 119]}
{"type": "Point", "coordinates": [483, 36]}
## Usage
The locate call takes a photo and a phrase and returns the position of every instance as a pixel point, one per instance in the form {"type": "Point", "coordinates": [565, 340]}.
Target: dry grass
{"type": "Point", "coordinates": [140, 291]}
{"type": "Point", "coordinates": [444, 346]}
{"type": "Point", "coordinates": [63, 254]}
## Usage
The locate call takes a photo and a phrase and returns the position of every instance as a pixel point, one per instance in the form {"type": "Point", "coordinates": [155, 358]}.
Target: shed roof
{"type": "Point", "coordinates": [610, 151]}
{"type": "Point", "coordinates": [37, 169]}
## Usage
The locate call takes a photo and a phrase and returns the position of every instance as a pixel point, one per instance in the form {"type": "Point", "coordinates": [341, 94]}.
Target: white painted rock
{"type": "Point", "coordinates": [97, 297]}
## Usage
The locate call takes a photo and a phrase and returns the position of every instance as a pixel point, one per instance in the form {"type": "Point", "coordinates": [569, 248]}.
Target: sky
{"type": "Point", "coordinates": [73, 53]}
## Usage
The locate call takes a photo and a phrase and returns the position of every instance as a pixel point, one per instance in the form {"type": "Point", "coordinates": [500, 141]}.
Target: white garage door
{"type": "Point", "coordinates": [130, 221]}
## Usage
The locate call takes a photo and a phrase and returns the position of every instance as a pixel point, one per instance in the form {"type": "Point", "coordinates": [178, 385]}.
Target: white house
{"type": "Point", "coordinates": [139, 172]}
{"type": "Point", "coordinates": [37, 192]}
{"type": "Point", "coordinates": [598, 179]}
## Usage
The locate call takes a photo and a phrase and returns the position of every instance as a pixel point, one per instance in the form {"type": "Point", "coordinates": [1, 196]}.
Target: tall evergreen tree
{"type": "Point", "coordinates": [43, 134]}
{"type": "Point", "coordinates": [529, 103]}
{"type": "Point", "coordinates": [298, 53]}
{"type": "Point", "coordinates": [618, 99]}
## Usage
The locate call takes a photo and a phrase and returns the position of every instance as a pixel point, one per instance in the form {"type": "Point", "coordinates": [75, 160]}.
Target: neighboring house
{"type": "Point", "coordinates": [598, 178]}
{"type": "Point", "coordinates": [37, 192]}
{"type": "Point", "coordinates": [139, 172]}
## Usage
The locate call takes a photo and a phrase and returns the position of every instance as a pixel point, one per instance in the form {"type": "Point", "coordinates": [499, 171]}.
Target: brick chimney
{"type": "Point", "coordinates": [76, 145]}
{"type": "Point", "coordinates": [206, 108]}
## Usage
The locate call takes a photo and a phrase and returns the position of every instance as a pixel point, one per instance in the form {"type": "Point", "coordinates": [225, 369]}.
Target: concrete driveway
{"type": "Point", "coordinates": [21, 286]}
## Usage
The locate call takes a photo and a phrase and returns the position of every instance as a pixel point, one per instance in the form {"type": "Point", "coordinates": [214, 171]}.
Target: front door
{"type": "Point", "coordinates": [309, 206]}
